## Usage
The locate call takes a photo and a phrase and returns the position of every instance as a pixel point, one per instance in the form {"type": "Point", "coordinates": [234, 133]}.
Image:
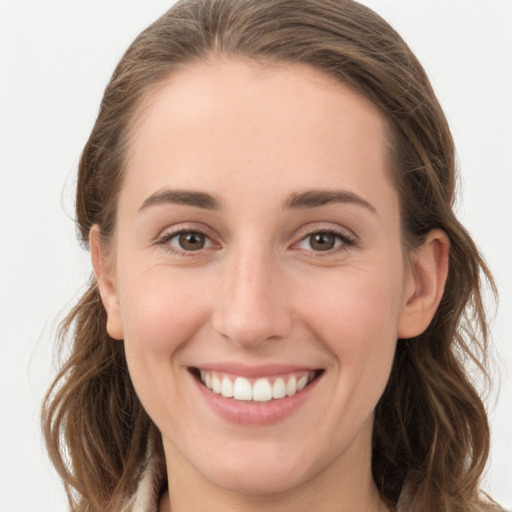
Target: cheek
{"type": "Point", "coordinates": [160, 315]}
{"type": "Point", "coordinates": [356, 317]}
{"type": "Point", "coordinates": [159, 311]}
{"type": "Point", "coordinates": [356, 307]}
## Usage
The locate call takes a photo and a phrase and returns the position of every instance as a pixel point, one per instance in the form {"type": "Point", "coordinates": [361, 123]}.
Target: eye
{"type": "Point", "coordinates": [187, 241]}
{"type": "Point", "coordinates": [192, 241]}
{"type": "Point", "coordinates": [322, 241]}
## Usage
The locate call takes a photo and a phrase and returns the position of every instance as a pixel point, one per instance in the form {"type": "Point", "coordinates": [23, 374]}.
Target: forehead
{"type": "Point", "coordinates": [226, 86]}
{"type": "Point", "coordinates": [223, 122]}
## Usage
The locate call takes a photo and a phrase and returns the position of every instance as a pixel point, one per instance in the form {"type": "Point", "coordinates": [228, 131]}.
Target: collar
{"type": "Point", "coordinates": [149, 489]}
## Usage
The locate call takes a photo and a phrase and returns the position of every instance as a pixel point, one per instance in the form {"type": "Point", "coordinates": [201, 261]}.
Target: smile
{"type": "Point", "coordinates": [255, 396]}
{"type": "Point", "coordinates": [262, 389]}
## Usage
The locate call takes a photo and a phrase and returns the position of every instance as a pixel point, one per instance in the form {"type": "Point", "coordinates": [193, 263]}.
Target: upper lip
{"type": "Point", "coordinates": [256, 371]}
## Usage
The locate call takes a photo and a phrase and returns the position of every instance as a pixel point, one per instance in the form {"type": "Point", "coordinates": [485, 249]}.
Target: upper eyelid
{"type": "Point", "coordinates": [184, 227]}
{"type": "Point", "coordinates": [334, 229]}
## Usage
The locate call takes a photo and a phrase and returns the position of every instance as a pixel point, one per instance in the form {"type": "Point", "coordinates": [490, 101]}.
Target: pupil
{"type": "Point", "coordinates": [322, 241]}
{"type": "Point", "coordinates": [192, 241]}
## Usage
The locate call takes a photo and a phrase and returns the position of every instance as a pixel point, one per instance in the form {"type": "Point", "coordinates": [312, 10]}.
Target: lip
{"type": "Point", "coordinates": [253, 372]}
{"type": "Point", "coordinates": [250, 412]}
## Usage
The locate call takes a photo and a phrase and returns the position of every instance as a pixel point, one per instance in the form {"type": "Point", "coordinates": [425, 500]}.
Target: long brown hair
{"type": "Point", "coordinates": [431, 436]}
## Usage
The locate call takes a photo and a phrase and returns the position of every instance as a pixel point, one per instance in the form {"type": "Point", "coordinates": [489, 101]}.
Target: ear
{"type": "Point", "coordinates": [105, 277]}
{"type": "Point", "coordinates": [425, 281]}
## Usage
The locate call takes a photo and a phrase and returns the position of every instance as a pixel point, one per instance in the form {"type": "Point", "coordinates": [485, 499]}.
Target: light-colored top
{"type": "Point", "coordinates": [147, 496]}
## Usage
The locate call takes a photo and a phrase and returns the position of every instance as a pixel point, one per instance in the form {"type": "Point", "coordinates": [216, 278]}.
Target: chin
{"type": "Point", "coordinates": [259, 482]}
{"type": "Point", "coordinates": [258, 475]}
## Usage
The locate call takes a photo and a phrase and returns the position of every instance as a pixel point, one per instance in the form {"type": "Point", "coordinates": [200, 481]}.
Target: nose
{"type": "Point", "coordinates": [251, 306]}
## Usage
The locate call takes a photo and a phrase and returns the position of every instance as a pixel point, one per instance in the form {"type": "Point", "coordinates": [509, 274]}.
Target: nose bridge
{"type": "Point", "coordinates": [251, 306]}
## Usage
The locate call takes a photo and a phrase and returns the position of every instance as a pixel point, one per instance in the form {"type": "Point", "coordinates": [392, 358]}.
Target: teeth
{"type": "Point", "coordinates": [279, 388]}
{"type": "Point", "coordinates": [291, 386]}
{"type": "Point", "coordinates": [227, 388]}
{"type": "Point", "coordinates": [301, 383]}
{"type": "Point", "coordinates": [242, 389]}
{"type": "Point", "coordinates": [261, 390]}
{"type": "Point", "coordinates": [216, 385]}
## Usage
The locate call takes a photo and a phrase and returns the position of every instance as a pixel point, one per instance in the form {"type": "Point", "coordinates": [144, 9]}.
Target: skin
{"type": "Point", "coordinates": [259, 292]}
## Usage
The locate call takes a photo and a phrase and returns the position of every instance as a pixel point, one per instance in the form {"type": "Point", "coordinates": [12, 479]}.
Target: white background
{"type": "Point", "coordinates": [56, 57]}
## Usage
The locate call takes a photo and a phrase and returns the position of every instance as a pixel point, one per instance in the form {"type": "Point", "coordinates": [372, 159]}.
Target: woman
{"type": "Point", "coordinates": [283, 298]}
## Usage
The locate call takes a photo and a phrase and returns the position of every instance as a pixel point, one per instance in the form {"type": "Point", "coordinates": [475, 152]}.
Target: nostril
{"type": "Point", "coordinates": [251, 330]}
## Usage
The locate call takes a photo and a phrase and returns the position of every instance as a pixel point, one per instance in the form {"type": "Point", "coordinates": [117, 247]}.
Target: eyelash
{"type": "Point", "coordinates": [347, 241]}
{"type": "Point", "coordinates": [164, 239]}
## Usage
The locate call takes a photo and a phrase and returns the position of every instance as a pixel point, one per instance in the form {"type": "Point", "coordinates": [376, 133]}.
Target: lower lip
{"type": "Point", "coordinates": [256, 413]}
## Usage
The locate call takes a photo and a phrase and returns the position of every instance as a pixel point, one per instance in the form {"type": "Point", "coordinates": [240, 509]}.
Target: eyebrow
{"type": "Point", "coordinates": [296, 201]}
{"type": "Point", "coordinates": [316, 198]}
{"type": "Point", "coordinates": [184, 197]}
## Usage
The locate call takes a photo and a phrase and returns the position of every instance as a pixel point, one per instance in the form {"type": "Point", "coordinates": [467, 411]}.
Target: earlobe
{"type": "Point", "coordinates": [426, 280]}
{"type": "Point", "coordinates": [106, 284]}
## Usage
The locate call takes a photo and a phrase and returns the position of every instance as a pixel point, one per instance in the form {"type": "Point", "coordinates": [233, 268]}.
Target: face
{"type": "Point", "coordinates": [258, 253]}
